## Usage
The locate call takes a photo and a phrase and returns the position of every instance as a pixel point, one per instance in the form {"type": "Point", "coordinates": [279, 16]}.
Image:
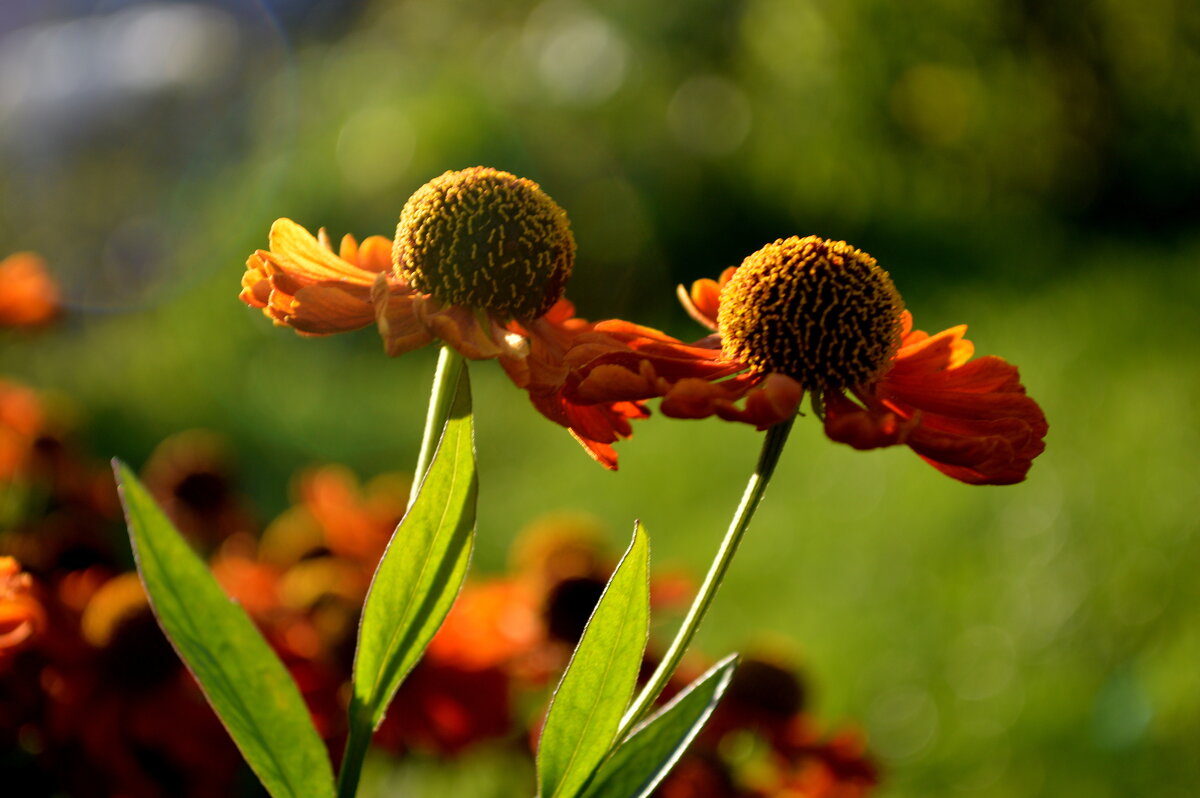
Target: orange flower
{"type": "Point", "coordinates": [479, 261]}
{"type": "Point", "coordinates": [190, 474]}
{"type": "Point", "coordinates": [22, 420]}
{"type": "Point", "coordinates": [357, 521]}
{"type": "Point", "coordinates": [28, 295]}
{"type": "Point", "coordinates": [21, 615]}
{"type": "Point", "coordinates": [491, 624]}
{"type": "Point", "coordinates": [816, 316]}
{"type": "Point", "coordinates": [445, 709]}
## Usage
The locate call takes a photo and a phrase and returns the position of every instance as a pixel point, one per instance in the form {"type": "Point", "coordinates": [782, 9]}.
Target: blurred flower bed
{"type": "Point", "coordinates": [94, 702]}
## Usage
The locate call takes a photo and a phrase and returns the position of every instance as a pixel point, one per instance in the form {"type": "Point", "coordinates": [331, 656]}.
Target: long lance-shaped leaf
{"type": "Point", "coordinates": [244, 681]}
{"type": "Point", "coordinates": [422, 570]}
{"type": "Point", "coordinates": [581, 724]}
{"type": "Point", "coordinates": [647, 755]}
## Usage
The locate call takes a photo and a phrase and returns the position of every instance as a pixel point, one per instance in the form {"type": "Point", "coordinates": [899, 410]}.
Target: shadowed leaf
{"type": "Point", "coordinates": [647, 755]}
{"type": "Point", "coordinates": [585, 713]}
{"type": "Point", "coordinates": [244, 681]}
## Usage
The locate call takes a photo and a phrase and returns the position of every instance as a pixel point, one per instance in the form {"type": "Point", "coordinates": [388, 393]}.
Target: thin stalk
{"type": "Point", "coordinates": [768, 458]}
{"type": "Point", "coordinates": [445, 378]}
{"type": "Point", "coordinates": [357, 743]}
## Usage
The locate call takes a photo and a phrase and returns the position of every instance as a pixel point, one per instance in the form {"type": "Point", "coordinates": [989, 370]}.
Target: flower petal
{"type": "Point", "coordinates": [595, 427]}
{"type": "Point", "coordinates": [704, 299]}
{"type": "Point", "coordinates": [970, 419]}
{"type": "Point", "coordinates": [375, 254]}
{"type": "Point", "coordinates": [302, 284]}
{"type": "Point", "coordinates": [327, 309]}
{"type": "Point", "coordinates": [304, 258]}
{"type": "Point", "coordinates": [769, 400]}
{"type": "Point", "coordinates": [922, 352]}
{"type": "Point", "coordinates": [620, 361]}
{"type": "Point", "coordinates": [543, 371]}
{"type": "Point", "coordinates": [860, 428]}
{"type": "Point", "coordinates": [469, 332]}
{"type": "Point", "coordinates": [395, 315]}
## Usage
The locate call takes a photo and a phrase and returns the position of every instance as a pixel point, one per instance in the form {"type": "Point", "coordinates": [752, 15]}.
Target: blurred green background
{"type": "Point", "coordinates": [1030, 168]}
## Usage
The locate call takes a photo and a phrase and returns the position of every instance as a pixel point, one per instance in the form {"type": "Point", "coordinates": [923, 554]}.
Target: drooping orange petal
{"type": "Point", "coordinates": [775, 400]}
{"type": "Point", "coordinates": [471, 333]}
{"type": "Point", "coordinates": [976, 458]}
{"type": "Point", "coordinates": [543, 371]}
{"type": "Point", "coordinates": [595, 427]}
{"type": "Point", "coordinates": [970, 419]}
{"type": "Point", "coordinates": [1003, 440]}
{"type": "Point", "coordinates": [768, 400]}
{"type": "Point", "coordinates": [620, 361]}
{"type": "Point", "coordinates": [301, 283]}
{"type": "Point", "coordinates": [864, 429]}
{"type": "Point", "coordinates": [325, 309]}
{"type": "Point", "coordinates": [256, 284]}
{"type": "Point", "coordinates": [395, 314]}
{"type": "Point", "coordinates": [309, 261]}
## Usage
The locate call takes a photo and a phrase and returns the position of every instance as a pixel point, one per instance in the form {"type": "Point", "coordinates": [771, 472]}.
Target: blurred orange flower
{"type": "Point", "coordinates": [491, 624]}
{"type": "Point", "coordinates": [21, 422]}
{"type": "Point", "coordinates": [95, 703]}
{"type": "Point", "coordinates": [816, 316]}
{"type": "Point", "coordinates": [21, 615]}
{"type": "Point", "coordinates": [479, 261]}
{"type": "Point", "coordinates": [99, 705]}
{"type": "Point", "coordinates": [28, 295]}
{"type": "Point", "coordinates": [357, 522]}
{"type": "Point", "coordinates": [813, 766]}
{"type": "Point", "coordinates": [442, 708]}
{"type": "Point", "coordinates": [788, 755]}
{"type": "Point", "coordinates": [190, 475]}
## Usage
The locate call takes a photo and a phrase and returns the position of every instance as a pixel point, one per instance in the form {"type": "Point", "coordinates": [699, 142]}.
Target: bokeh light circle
{"type": "Point", "coordinates": [118, 124]}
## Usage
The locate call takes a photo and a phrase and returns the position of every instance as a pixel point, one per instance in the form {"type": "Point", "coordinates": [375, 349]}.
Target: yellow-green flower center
{"type": "Point", "coordinates": [485, 239]}
{"type": "Point", "coordinates": [821, 312]}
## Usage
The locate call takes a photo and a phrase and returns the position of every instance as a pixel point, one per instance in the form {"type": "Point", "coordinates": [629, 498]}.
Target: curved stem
{"type": "Point", "coordinates": [445, 379]}
{"type": "Point", "coordinates": [767, 459]}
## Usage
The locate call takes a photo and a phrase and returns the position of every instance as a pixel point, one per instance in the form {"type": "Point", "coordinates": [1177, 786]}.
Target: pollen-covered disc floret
{"type": "Point", "coordinates": [821, 312]}
{"type": "Point", "coordinates": [488, 240]}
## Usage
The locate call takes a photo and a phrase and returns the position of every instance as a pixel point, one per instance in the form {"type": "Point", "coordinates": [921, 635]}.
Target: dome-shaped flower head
{"type": "Point", "coordinates": [479, 261]}
{"type": "Point", "coordinates": [482, 238]}
{"type": "Point", "coordinates": [817, 316]}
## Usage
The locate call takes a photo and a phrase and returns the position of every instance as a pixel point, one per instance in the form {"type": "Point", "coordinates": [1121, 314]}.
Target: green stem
{"type": "Point", "coordinates": [767, 459]}
{"type": "Point", "coordinates": [445, 379]}
{"type": "Point", "coordinates": [357, 743]}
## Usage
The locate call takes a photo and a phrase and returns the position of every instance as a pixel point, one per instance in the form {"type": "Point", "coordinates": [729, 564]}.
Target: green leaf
{"type": "Point", "coordinates": [647, 755]}
{"type": "Point", "coordinates": [422, 570]}
{"type": "Point", "coordinates": [585, 713]}
{"type": "Point", "coordinates": [244, 681]}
